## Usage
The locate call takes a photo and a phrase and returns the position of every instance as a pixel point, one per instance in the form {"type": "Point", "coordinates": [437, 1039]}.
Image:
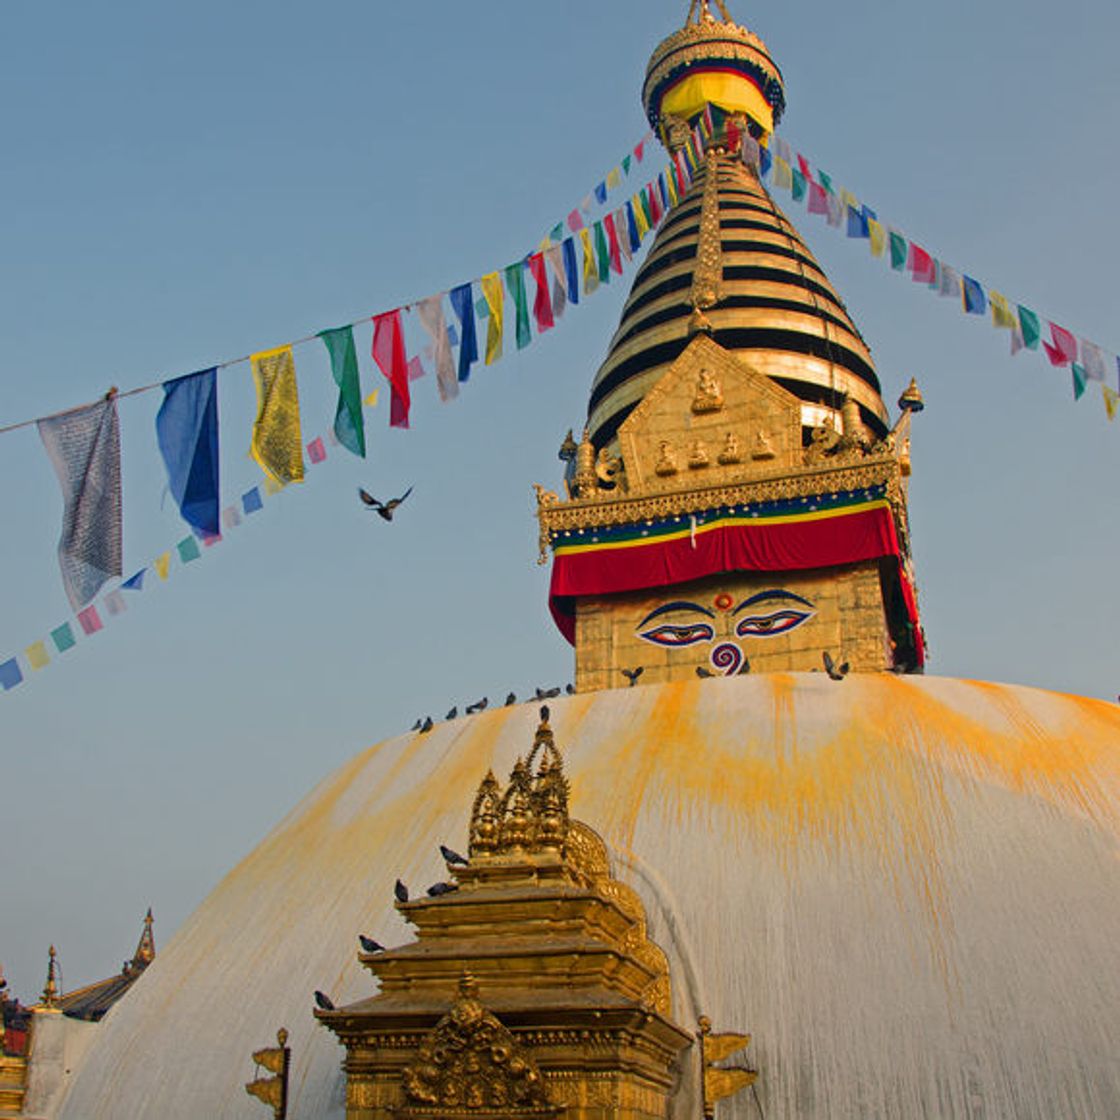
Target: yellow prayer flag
{"type": "Point", "coordinates": [371, 400]}
{"type": "Point", "coordinates": [37, 656]}
{"type": "Point", "coordinates": [277, 442]}
{"type": "Point", "coordinates": [878, 237]}
{"type": "Point", "coordinates": [590, 267]}
{"type": "Point", "coordinates": [162, 564]}
{"type": "Point", "coordinates": [640, 216]}
{"type": "Point", "coordinates": [671, 186]}
{"type": "Point", "coordinates": [614, 177]}
{"type": "Point", "coordinates": [783, 173]}
{"type": "Point", "coordinates": [1111, 401]}
{"type": "Point", "coordinates": [848, 198]}
{"type": "Point", "coordinates": [492, 293]}
{"type": "Point", "coordinates": [272, 485]}
{"type": "Point", "coordinates": [1002, 315]}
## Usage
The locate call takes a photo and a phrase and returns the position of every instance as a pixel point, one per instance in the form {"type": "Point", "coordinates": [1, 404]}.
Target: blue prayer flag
{"type": "Point", "coordinates": [452, 335]}
{"type": "Point", "coordinates": [765, 159]}
{"type": "Point", "coordinates": [135, 582]}
{"type": "Point", "coordinates": [251, 500]}
{"type": "Point", "coordinates": [10, 674]}
{"type": "Point", "coordinates": [869, 214]}
{"type": "Point", "coordinates": [975, 302]}
{"type": "Point", "coordinates": [632, 228]}
{"type": "Point", "coordinates": [187, 432]}
{"type": "Point", "coordinates": [462, 303]}
{"type": "Point", "coordinates": [571, 269]}
{"type": "Point", "coordinates": [857, 223]}
{"type": "Point", "coordinates": [601, 193]}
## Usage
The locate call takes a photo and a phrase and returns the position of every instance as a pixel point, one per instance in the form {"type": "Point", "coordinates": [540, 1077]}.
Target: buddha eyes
{"type": "Point", "coordinates": [770, 625]}
{"type": "Point", "coordinates": [677, 635]}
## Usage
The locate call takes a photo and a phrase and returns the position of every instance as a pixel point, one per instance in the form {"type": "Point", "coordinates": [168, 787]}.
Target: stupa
{"type": "Point", "coordinates": [904, 888]}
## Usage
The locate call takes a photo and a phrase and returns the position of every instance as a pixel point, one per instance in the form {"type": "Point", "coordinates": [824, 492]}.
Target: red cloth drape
{"type": "Point", "coordinates": [388, 353]}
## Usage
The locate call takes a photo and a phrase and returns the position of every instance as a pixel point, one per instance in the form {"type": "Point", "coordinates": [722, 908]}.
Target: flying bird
{"type": "Point", "coordinates": [369, 945]}
{"type": "Point", "coordinates": [382, 509]}
{"type": "Point", "coordinates": [703, 673]}
{"type": "Point", "coordinates": [453, 713]}
{"type": "Point", "coordinates": [451, 855]}
{"type": "Point", "coordinates": [511, 699]}
{"type": "Point", "coordinates": [835, 672]}
{"type": "Point", "coordinates": [437, 889]}
{"type": "Point", "coordinates": [323, 1000]}
{"type": "Point", "coordinates": [401, 891]}
{"type": "Point", "coordinates": [426, 726]}
{"type": "Point", "coordinates": [478, 706]}
{"type": "Point", "coordinates": [632, 675]}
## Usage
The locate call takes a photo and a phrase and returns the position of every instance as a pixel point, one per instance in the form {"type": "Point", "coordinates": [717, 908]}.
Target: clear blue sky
{"type": "Point", "coordinates": [185, 183]}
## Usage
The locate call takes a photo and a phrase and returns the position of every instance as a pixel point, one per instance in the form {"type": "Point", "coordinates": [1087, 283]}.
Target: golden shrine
{"type": "Point", "coordinates": [532, 988]}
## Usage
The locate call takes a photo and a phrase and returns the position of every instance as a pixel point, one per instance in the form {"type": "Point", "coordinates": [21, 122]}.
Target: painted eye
{"type": "Point", "coordinates": [670, 635]}
{"type": "Point", "coordinates": [771, 625]}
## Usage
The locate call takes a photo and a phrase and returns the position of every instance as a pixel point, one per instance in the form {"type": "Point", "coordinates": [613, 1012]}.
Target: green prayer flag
{"type": "Point", "coordinates": [602, 254]}
{"type": "Point", "coordinates": [1030, 326]}
{"type": "Point", "coordinates": [899, 252]}
{"type": "Point", "coordinates": [188, 550]}
{"type": "Point", "coordinates": [1080, 380]}
{"type": "Point", "coordinates": [826, 181]}
{"type": "Point", "coordinates": [63, 637]}
{"type": "Point", "coordinates": [799, 186]}
{"type": "Point", "coordinates": [647, 209]}
{"type": "Point", "coordinates": [349, 426]}
{"type": "Point", "coordinates": [515, 283]}
{"type": "Point", "coordinates": [557, 232]}
{"type": "Point", "coordinates": [626, 164]}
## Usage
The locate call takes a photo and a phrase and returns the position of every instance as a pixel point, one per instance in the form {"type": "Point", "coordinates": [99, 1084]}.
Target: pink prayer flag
{"type": "Point", "coordinates": [575, 221]}
{"type": "Point", "coordinates": [114, 603]}
{"type": "Point", "coordinates": [416, 368]}
{"type": "Point", "coordinates": [316, 452]}
{"type": "Point", "coordinates": [639, 151]}
{"type": "Point", "coordinates": [818, 199]}
{"type": "Point", "coordinates": [921, 264]}
{"type": "Point", "coordinates": [1064, 349]}
{"type": "Point", "coordinates": [90, 620]}
{"type": "Point", "coordinates": [211, 539]}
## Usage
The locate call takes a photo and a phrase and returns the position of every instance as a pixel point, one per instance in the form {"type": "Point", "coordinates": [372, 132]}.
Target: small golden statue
{"type": "Point", "coordinates": [732, 451]}
{"type": "Point", "coordinates": [666, 460]}
{"type": "Point", "coordinates": [762, 449]}
{"type": "Point", "coordinates": [709, 394]}
{"type": "Point", "coordinates": [698, 457]}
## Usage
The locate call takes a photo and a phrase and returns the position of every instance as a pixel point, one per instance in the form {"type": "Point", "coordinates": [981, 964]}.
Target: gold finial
{"type": "Point", "coordinates": [911, 399]}
{"type": "Point", "coordinates": [585, 480]}
{"type": "Point", "coordinates": [719, 1083]}
{"type": "Point", "coordinates": [272, 1091]}
{"type": "Point", "coordinates": [700, 11]}
{"type": "Point", "coordinates": [146, 948]}
{"type": "Point", "coordinates": [50, 989]}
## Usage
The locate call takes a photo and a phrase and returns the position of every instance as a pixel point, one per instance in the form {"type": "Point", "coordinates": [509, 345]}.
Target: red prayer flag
{"type": "Point", "coordinates": [803, 163]}
{"type": "Point", "coordinates": [639, 150]}
{"type": "Point", "coordinates": [542, 303]}
{"type": "Point", "coordinates": [1064, 349]}
{"type": "Point", "coordinates": [316, 452]}
{"type": "Point", "coordinates": [818, 198]}
{"type": "Point", "coordinates": [575, 221]}
{"type": "Point", "coordinates": [654, 202]}
{"type": "Point", "coordinates": [388, 353]}
{"type": "Point", "coordinates": [732, 135]}
{"type": "Point", "coordinates": [612, 243]}
{"type": "Point", "coordinates": [921, 264]}
{"type": "Point", "coordinates": [90, 620]}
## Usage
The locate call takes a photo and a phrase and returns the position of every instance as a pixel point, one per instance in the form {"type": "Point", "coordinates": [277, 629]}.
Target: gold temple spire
{"type": "Point", "coordinates": [146, 947]}
{"type": "Point", "coordinates": [701, 10]}
{"type": "Point", "coordinates": [51, 990]}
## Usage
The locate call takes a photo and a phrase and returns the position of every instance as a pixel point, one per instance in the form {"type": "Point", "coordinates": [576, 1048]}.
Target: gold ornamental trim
{"type": "Point", "coordinates": [555, 516]}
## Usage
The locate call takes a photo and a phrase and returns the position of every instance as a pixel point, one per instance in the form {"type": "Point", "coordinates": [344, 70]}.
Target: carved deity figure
{"type": "Point", "coordinates": [762, 449]}
{"type": "Point", "coordinates": [698, 456]}
{"type": "Point", "coordinates": [666, 459]}
{"type": "Point", "coordinates": [709, 394]}
{"type": "Point", "coordinates": [732, 451]}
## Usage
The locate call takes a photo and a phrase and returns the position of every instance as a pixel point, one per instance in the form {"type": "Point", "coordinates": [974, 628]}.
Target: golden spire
{"type": "Point", "coordinates": [146, 948]}
{"type": "Point", "coordinates": [700, 11]}
{"type": "Point", "coordinates": [50, 989]}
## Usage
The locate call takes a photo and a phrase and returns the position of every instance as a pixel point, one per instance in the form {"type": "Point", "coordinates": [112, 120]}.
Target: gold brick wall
{"type": "Point", "coordinates": [845, 617]}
